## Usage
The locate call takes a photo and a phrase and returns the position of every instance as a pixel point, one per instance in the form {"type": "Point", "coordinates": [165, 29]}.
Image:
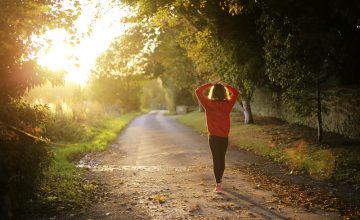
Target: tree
{"type": "Point", "coordinates": [23, 158]}
{"type": "Point", "coordinates": [304, 51]}
{"type": "Point", "coordinates": [146, 52]}
{"type": "Point", "coordinates": [230, 47]}
{"type": "Point", "coordinates": [19, 20]}
{"type": "Point", "coordinates": [121, 92]}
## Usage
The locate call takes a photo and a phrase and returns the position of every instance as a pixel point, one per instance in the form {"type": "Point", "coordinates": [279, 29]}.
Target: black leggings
{"type": "Point", "coordinates": [218, 146]}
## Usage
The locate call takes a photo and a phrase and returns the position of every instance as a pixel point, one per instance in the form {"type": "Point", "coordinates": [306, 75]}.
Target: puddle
{"type": "Point", "coordinates": [95, 165]}
{"type": "Point", "coordinates": [126, 168]}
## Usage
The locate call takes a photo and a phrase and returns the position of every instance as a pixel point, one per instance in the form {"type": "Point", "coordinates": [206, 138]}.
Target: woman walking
{"type": "Point", "coordinates": [217, 105]}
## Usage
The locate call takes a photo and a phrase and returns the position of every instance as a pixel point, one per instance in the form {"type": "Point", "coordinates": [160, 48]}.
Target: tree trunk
{"type": "Point", "coordinates": [248, 118]}
{"type": "Point", "coordinates": [201, 108]}
{"type": "Point", "coordinates": [319, 110]}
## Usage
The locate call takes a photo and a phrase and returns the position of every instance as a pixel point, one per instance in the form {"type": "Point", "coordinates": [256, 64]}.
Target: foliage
{"type": "Point", "coordinates": [68, 107]}
{"type": "Point", "coordinates": [48, 93]}
{"type": "Point", "coordinates": [124, 53]}
{"type": "Point", "coordinates": [19, 20]}
{"type": "Point", "coordinates": [66, 130]}
{"type": "Point", "coordinates": [214, 46]}
{"type": "Point", "coordinates": [21, 165]}
{"type": "Point", "coordinates": [304, 50]}
{"type": "Point", "coordinates": [177, 71]}
{"type": "Point", "coordinates": [23, 158]}
{"type": "Point", "coordinates": [30, 118]}
{"type": "Point", "coordinates": [222, 48]}
{"type": "Point", "coordinates": [117, 79]}
{"type": "Point", "coordinates": [301, 46]}
{"type": "Point", "coordinates": [123, 92]}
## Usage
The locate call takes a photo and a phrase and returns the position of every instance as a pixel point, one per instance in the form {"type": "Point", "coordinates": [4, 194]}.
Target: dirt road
{"type": "Point", "coordinates": [160, 169]}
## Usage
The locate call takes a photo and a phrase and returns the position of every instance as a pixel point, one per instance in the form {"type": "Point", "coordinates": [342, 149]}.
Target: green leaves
{"type": "Point", "coordinates": [19, 20]}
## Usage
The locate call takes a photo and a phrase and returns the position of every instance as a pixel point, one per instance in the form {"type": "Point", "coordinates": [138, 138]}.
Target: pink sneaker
{"type": "Point", "coordinates": [218, 188]}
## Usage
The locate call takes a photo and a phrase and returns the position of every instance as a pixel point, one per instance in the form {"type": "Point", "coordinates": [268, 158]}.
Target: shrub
{"type": "Point", "coordinates": [22, 157]}
{"type": "Point", "coordinates": [66, 130]}
{"type": "Point", "coordinates": [22, 162]}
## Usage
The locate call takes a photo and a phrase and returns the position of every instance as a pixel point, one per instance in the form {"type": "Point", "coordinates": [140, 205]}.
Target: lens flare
{"type": "Point", "coordinates": [98, 24]}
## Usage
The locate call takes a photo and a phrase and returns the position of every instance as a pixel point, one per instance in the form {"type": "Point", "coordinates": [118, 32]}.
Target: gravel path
{"type": "Point", "coordinates": [161, 169]}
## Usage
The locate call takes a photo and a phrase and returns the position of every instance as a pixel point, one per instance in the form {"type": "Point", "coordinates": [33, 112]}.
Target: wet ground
{"type": "Point", "coordinates": [160, 169]}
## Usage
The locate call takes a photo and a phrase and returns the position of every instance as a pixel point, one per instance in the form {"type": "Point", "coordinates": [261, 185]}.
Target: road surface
{"type": "Point", "coordinates": [161, 169]}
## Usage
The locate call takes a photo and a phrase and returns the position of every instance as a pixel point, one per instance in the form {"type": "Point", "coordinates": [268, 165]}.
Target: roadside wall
{"type": "Point", "coordinates": [343, 114]}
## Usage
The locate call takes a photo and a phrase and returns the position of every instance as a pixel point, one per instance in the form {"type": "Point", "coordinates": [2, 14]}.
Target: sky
{"type": "Point", "coordinates": [76, 61]}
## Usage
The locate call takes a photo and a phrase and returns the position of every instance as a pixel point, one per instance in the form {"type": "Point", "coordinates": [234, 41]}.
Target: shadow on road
{"type": "Point", "coordinates": [254, 207]}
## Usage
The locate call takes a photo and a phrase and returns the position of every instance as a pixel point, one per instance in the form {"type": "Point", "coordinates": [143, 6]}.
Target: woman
{"type": "Point", "coordinates": [217, 107]}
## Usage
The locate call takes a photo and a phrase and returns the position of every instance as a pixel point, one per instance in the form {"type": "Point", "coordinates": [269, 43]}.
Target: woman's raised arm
{"type": "Point", "coordinates": [200, 94]}
{"type": "Point", "coordinates": [234, 94]}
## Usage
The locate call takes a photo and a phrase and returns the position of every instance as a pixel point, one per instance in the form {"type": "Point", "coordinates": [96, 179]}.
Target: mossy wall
{"type": "Point", "coordinates": [342, 116]}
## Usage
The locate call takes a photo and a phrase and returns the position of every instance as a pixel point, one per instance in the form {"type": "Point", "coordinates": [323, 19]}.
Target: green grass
{"type": "Point", "coordinates": [290, 146]}
{"type": "Point", "coordinates": [195, 120]}
{"type": "Point", "coordinates": [242, 135]}
{"type": "Point", "coordinates": [63, 182]}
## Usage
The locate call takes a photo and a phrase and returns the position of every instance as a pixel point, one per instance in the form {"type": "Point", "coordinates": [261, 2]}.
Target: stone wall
{"type": "Point", "coordinates": [343, 115]}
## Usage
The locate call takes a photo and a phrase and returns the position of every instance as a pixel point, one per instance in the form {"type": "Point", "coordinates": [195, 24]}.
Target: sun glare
{"type": "Point", "coordinates": [58, 54]}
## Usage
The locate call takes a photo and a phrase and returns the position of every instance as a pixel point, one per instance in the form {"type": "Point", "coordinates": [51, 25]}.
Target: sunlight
{"type": "Point", "coordinates": [97, 25]}
{"type": "Point", "coordinates": [57, 55]}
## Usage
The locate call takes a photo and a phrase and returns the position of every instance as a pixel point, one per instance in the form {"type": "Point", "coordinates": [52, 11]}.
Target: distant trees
{"type": "Point", "coordinates": [174, 69]}
{"type": "Point", "coordinates": [121, 92]}
{"type": "Point", "coordinates": [145, 53]}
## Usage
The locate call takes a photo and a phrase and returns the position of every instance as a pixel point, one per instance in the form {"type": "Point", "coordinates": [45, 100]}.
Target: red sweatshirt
{"type": "Point", "coordinates": [217, 112]}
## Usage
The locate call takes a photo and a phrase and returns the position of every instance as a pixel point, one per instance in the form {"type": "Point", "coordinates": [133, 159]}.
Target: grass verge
{"type": "Point", "coordinates": [63, 183]}
{"type": "Point", "coordinates": [293, 145]}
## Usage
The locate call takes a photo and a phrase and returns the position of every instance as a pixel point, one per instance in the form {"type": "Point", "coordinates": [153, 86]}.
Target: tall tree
{"type": "Point", "coordinates": [304, 51]}
{"type": "Point", "coordinates": [229, 46]}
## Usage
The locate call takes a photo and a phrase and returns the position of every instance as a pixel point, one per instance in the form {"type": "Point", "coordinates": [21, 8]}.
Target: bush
{"type": "Point", "coordinates": [22, 162]}
{"type": "Point", "coordinates": [66, 130]}
{"type": "Point", "coordinates": [22, 157]}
